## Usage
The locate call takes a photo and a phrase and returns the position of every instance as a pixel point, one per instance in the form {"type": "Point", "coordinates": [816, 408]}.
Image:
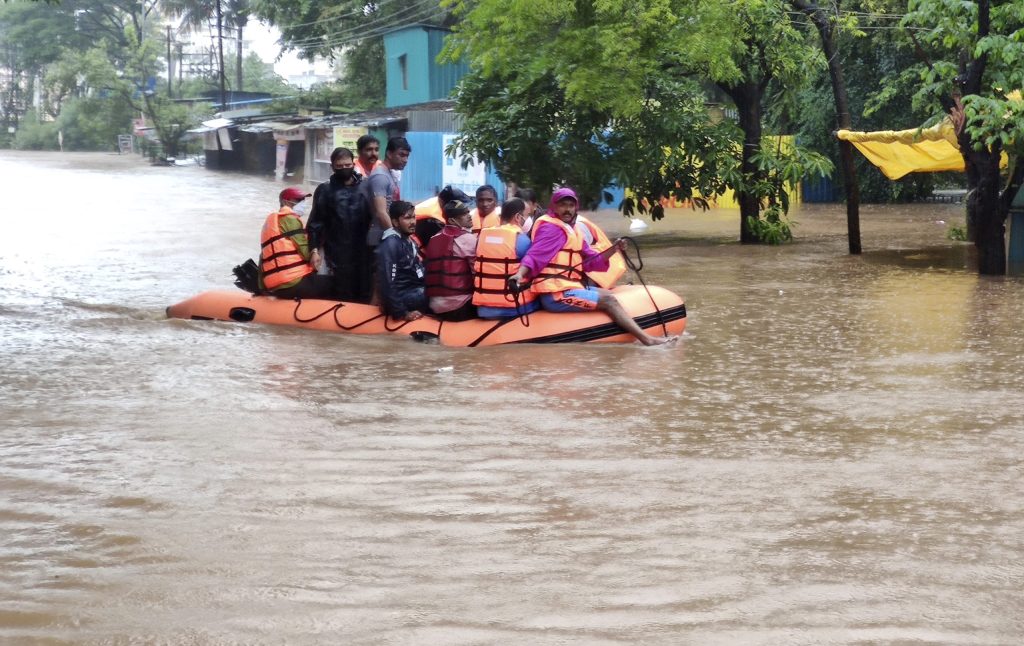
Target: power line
{"type": "Point", "coordinates": [372, 23]}
{"type": "Point", "coordinates": [415, 12]}
{"type": "Point", "coordinates": [378, 5]}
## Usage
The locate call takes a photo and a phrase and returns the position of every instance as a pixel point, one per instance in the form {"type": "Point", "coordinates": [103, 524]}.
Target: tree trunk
{"type": "Point", "coordinates": [985, 207]}
{"type": "Point", "coordinates": [843, 120]}
{"type": "Point", "coordinates": [747, 97]}
{"type": "Point", "coordinates": [852, 195]}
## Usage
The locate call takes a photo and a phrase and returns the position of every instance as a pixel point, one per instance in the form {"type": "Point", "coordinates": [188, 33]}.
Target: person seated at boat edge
{"type": "Point", "coordinates": [448, 258]}
{"type": "Point", "coordinates": [498, 252]}
{"type": "Point", "coordinates": [556, 262]}
{"type": "Point", "coordinates": [430, 213]}
{"type": "Point", "coordinates": [285, 267]}
{"type": "Point", "coordinates": [399, 268]}
{"type": "Point", "coordinates": [486, 212]}
{"type": "Point", "coordinates": [338, 223]}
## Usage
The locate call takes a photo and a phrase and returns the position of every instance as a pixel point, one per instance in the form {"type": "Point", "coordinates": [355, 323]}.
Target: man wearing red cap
{"type": "Point", "coordinates": [285, 269]}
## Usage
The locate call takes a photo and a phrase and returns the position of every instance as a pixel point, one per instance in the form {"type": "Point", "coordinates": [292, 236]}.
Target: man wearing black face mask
{"type": "Point", "coordinates": [338, 223]}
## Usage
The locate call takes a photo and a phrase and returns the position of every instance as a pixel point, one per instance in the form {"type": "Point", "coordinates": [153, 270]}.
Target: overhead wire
{"type": "Point", "coordinates": [377, 25]}
{"type": "Point", "coordinates": [327, 19]}
{"type": "Point", "coordinates": [404, 17]}
{"type": "Point", "coordinates": [799, 14]}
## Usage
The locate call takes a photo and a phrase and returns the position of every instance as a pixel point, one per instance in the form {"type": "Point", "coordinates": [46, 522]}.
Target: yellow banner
{"type": "Point", "coordinates": [346, 136]}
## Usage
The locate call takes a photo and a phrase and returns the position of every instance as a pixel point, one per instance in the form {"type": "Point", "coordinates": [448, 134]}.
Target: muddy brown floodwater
{"type": "Point", "coordinates": [831, 455]}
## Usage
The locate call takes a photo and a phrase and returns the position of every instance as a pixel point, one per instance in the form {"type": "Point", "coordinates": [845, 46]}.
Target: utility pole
{"type": "Point", "coordinates": [220, 57]}
{"type": "Point", "coordinates": [170, 68]}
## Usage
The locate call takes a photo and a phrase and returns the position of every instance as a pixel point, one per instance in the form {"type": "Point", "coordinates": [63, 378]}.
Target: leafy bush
{"type": "Point", "coordinates": [957, 233]}
{"type": "Point", "coordinates": [773, 227]}
{"type": "Point", "coordinates": [35, 135]}
{"type": "Point", "coordinates": [91, 123]}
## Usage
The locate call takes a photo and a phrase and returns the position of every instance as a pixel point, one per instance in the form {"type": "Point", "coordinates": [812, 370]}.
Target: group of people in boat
{"type": "Point", "coordinates": [362, 243]}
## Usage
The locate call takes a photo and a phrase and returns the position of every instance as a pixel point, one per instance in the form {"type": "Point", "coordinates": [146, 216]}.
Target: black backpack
{"type": "Point", "coordinates": [247, 277]}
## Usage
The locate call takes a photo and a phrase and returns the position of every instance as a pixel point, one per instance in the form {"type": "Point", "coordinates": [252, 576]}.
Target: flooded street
{"type": "Point", "coordinates": [833, 454]}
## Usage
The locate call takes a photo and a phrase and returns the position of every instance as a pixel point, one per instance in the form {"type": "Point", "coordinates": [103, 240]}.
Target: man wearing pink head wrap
{"type": "Point", "coordinates": [557, 260]}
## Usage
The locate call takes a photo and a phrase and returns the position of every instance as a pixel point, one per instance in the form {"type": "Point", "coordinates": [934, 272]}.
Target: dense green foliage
{"type": "Point", "coordinates": [869, 48]}
{"type": "Point", "coordinates": [535, 136]}
{"type": "Point", "coordinates": [611, 90]}
{"type": "Point", "coordinates": [99, 69]}
{"type": "Point", "coordinates": [97, 65]}
{"type": "Point", "coordinates": [971, 70]}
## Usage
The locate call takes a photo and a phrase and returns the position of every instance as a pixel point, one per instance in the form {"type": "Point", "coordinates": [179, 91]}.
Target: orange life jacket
{"type": "Point", "coordinates": [616, 263]}
{"type": "Point", "coordinates": [565, 271]}
{"type": "Point", "coordinates": [280, 259]}
{"type": "Point", "coordinates": [492, 219]}
{"type": "Point", "coordinates": [429, 208]}
{"type": "Point", "coordinates": [495, 262]}
{"type": "Point", "coordinates": [362, 170]}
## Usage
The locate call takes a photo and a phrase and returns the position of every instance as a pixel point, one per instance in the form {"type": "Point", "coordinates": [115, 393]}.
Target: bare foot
{"type": "Point", "coordinates": [658, 340]}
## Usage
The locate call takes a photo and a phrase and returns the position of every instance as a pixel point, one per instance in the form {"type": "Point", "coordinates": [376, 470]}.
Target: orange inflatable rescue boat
{"type": "Point", "coordinates": [657, 310]}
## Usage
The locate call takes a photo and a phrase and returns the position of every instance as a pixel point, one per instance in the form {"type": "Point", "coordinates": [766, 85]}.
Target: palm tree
{"type": "Point", "coordinates": [196, 14]}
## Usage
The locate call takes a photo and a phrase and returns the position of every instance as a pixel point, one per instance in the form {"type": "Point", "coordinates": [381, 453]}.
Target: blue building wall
{"type": "Point", "coordinates": [424, 176]}
{"type": "Point", "coordinates": [617, 193]}
{"type": "Point", "coordinates": [817, 190]}
{"type": "Point", "coordinates": [414, 85]}
{"type": "Point", "coordinates": [443, 78]}
{"type": "Point", "coordinates": [424, 79]}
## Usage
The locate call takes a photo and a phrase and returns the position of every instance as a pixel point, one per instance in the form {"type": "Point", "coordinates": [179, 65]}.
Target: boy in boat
{"type": "Point", "coordinates": [556, 261]}
{"type": "Point", "coordinates": [498, 253]}
{"type": "Point", "coordinates": [285, 267]}
{"type": "Point", "coordinates": [399, 269]}
{"type": "Point", "coordinates": [486, 212]}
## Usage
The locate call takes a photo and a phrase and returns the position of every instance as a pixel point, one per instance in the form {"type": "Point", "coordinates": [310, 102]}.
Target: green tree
{"type": "Point", "coordinates": [866, 49]}
{"type": "Point", "coordinates": [972, 61]}
{"type": "Point", "coordinates": [626, 69]}
{"type": "Point", "coordinates": [94, 56]}
{"type": "Point", "coordinates": [126, 62]}
{"type": "Point", "coordinates": [32, 36]}
{"type": "Point", "coordinates": [261, 77]}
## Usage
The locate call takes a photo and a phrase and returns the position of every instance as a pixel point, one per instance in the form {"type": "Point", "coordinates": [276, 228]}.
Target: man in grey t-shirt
{"type": "Point", "coordinates": [382, 187]}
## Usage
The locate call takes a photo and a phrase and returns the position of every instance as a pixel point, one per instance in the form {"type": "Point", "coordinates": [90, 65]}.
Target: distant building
{"type": "Point", "coordinates": [308, 78]}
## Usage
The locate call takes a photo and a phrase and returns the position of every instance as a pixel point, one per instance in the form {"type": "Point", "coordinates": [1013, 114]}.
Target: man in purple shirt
{"type": "Point", "coordinates": [553, 242]}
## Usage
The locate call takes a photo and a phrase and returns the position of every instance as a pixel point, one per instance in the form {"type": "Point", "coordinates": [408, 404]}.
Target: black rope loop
{"type": "Point", "coordinates": [333, 310]}
{"type": "Point", "coordinates": [636, 267]}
